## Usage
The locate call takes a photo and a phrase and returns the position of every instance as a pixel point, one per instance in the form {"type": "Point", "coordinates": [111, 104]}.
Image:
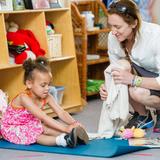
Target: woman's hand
{"type": "Point", "coordinates": [121, 76]}
{"type": "Point", "coordinates": [103, 92]}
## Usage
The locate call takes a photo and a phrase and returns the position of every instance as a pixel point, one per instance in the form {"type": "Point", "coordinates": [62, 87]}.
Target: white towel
{"type": "Point", "coordinates": [115, 109]}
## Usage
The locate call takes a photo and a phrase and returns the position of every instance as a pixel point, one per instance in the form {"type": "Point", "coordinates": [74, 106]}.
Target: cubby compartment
{"type": "Point", "coordinates": [58, 19]}
{"type": "Point", "coordinates": [12, 81]}
{"type": "Point", "coordinates": [33, 21]}
{"type": "Point", "coordinates": [65, 74]}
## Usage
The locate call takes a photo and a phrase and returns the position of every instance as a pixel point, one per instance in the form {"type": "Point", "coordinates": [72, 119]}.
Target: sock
{"type": "Point", "coordinates": [60, 141]}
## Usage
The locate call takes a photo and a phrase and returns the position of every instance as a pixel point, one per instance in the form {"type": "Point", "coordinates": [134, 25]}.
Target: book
{"type": "Point", "coordinates": [145, 142]}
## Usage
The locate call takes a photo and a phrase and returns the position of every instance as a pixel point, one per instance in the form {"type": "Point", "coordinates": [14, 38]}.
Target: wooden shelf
{"type": "Point", "coordinates": [102, 59]}
{"type": "Point", "coordinates": [64, 69]}
{"type": "Point", "coordinates": [98, 31]}
{"type": "Point", "coordinates": [63, 58]}
{"type": "Point", "coordinates": [92, 93]}
{"type": "Point", "coordinates": [9, 66]}
{"type": "Point", "coordinates": [94, 32]}
{"type": "Point", "coordinates": [34, 11]}
{"type": "Point", "coordinates": [70, 108]}
{"type": "Point", "coordinates": [90, 42]}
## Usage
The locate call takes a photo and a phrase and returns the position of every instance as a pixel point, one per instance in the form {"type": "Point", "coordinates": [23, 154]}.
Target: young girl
{"type": "Point", "coordinates": [24, 121]}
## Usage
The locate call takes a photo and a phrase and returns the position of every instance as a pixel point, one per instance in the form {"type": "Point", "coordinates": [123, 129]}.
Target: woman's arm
{"type": "Point", "coordinates": [28, 103]}
{"type": "Point", "coordinates": [124, 77]}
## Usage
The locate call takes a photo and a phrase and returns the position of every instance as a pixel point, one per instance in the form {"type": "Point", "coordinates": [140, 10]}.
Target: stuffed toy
{"type": "Point", "coordinates": [23, 45]}
{"type": "Point", "coordinates": [11, 27]}
{"type": "Point", "coordinates": [127, 133]}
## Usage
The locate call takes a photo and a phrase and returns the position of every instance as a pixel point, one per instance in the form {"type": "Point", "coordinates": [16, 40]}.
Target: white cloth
{"type": "Point", "coordinates": [115, 109]}
{"type": "Point", "coordinates": [146, 49]}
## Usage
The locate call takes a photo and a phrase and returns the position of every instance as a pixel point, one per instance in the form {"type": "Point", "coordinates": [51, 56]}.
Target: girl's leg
{"type": "Point", "coordinates": [77, 136]}
{"type": "Point", "coordinates": [60, 140]}
{"type": "Point", "coordinates": [46, 140]}
{"type": "Point", "coordinates": [50, 132]}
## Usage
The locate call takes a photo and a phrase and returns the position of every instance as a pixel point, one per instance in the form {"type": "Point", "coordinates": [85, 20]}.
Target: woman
{"type": "Point", "coordinates": [138, 41]}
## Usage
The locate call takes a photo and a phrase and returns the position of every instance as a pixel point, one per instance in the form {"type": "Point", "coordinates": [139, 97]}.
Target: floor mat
{"type": "Point", "coordinates": [96, 148]}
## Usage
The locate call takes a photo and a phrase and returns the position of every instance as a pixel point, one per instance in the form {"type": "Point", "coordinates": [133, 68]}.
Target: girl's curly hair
{"type": "Point", "coordinates": [29, 65]}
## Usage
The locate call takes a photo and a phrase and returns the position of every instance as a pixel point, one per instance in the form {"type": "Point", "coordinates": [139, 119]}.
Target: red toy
{"type": "Point", "coordinates": [23, 45]}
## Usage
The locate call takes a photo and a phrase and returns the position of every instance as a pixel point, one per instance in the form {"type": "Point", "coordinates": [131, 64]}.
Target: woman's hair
{"type": "Point", "coordinates": [40, 64]}
{"type": "Point", "coordinates": [128, 10]}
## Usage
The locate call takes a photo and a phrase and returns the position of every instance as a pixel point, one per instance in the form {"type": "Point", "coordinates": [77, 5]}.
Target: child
{"type": "Point", "coordinates": [24, 121]}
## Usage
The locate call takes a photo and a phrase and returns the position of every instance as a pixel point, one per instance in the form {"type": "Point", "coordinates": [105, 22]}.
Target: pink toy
{"type": "Point", "coordinates": [127, 133]}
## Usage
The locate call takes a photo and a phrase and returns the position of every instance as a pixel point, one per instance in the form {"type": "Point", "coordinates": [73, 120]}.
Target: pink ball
{"type": "Point", "coordinates": [127, 133]}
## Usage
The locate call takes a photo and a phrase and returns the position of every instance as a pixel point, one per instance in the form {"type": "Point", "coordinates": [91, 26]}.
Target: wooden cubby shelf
{"type": "Point", "coordinates": [92, 41]}
{"type": "Point", "coordinates": [64, 68]}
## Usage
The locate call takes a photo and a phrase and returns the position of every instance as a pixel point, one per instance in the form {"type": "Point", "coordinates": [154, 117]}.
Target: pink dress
{"type": "Point", "coordinates": [19, 126]}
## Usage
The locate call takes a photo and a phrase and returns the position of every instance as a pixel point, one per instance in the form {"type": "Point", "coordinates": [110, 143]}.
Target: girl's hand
{"type": "Point", "coordinates": [77, 124]}
{"type": "Point", "coordinates": [122, 76]}
{"type": "Point", "coordinates": [69, 128]}
{"type": "Point", "coordinates": [103, 92]}
{"type": "Point", "coordinates": [74, 125]}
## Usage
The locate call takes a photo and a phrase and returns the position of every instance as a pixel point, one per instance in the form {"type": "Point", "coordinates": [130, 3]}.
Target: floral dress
{"type": "Point", "coordinates": [19, 126]}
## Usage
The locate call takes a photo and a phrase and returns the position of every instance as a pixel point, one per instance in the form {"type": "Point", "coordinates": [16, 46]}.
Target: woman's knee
{"type": "Point", "coordinates": [125, 64]}
{"type": "Point", "coordinates": [138, 94]}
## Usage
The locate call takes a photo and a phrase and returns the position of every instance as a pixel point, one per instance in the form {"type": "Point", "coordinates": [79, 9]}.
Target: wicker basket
{"type": "Point", "coordinates": [55, 45]}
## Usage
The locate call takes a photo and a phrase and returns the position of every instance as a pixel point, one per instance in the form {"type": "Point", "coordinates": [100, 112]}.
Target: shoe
{"type": "Point", "coordinates": [157, 125]}
{"type": "Point", "coordinates": [71, 138]}
{"type": "Point", "coordinates": [82, 136]}
{"type": "Point", "coordinates": [132, 119]}
{"type": "Point", "coordinates": [77, 136]}
{"type": "Point", "coordinates": [139, 121]}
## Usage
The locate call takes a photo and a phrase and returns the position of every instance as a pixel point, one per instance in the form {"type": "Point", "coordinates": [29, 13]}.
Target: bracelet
{"type": "Point", "coordinates": [138, 81]}
{"type": "Point", "coordinates": [133, 81]}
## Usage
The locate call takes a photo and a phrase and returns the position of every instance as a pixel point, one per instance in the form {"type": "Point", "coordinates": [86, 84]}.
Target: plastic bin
{"type": "Point", "coordinates": [57, 92]}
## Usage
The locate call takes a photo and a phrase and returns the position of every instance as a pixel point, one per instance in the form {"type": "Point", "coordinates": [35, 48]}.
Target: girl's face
{"type": "Point", "coordinates": [39, 86]}
{"type": "Point", "coordinates": [120, 28]}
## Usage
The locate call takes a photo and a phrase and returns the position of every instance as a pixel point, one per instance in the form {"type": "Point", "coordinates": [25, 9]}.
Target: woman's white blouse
{"type": "Point", "coordinates": [146, 49]}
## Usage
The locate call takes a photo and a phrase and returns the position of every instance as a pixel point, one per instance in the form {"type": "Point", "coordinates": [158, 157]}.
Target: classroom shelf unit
{"type": "Point", "coordinates": [64, 68]}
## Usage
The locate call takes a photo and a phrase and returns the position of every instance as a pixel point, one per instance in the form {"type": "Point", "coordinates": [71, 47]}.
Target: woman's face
{"type": "Point", "coordinates": [120, 28]}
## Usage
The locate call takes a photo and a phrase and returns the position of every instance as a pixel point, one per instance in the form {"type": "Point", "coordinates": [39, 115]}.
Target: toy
{"type": "Point", "coordinates": [11, 26]}
{"type": "Point", "coordinates": [23, 45]}
{"type": "Point", "coordinates": [127, 133]}
{"type": "Point", "coordinates": [49, 28]}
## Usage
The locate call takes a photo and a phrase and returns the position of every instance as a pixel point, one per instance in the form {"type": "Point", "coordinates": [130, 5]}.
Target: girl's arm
{"type": "Point", "coordinates": [28, 103]}
{"type": "Point", "coordinates": [62, 114]}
